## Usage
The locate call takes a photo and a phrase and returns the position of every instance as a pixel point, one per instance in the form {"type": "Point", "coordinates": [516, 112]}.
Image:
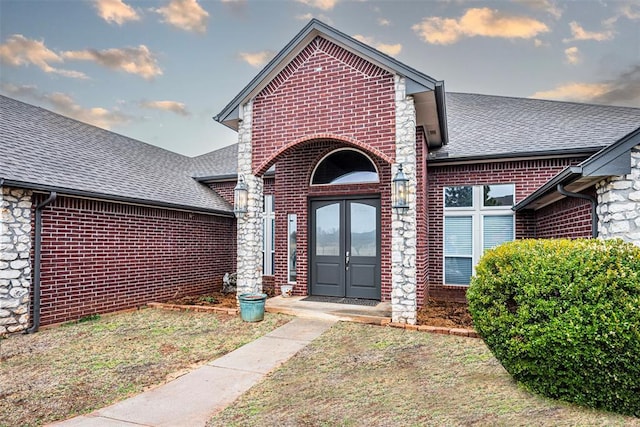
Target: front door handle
{"type": "Point", "coordinates": [346, 261]}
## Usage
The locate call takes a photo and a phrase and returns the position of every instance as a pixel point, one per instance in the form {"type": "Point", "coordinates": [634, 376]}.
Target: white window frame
{"type": "Point", "coordinates": [268, 238]}
{"type": "Point", "coordinates": [292, 226]}
{"type": "Point", "coordinates": [477, 212]}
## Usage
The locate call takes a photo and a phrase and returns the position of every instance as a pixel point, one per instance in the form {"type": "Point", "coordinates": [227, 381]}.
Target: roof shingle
{"type": "Point", "coordinates": [45, 149]}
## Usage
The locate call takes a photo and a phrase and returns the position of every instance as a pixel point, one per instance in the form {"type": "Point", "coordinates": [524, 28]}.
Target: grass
{"type": "Point", "coordinates": [360, 375]}
{"type": "Point", "coordinates": [76, 368]}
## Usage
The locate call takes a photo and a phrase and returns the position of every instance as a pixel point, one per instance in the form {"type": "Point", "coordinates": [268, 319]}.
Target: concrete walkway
{"type": "Point", "coordinates": [379, 314]}
{"type": "Point", "coordinates": [192, 399]}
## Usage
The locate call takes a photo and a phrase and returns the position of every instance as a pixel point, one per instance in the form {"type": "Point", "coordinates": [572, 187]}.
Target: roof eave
{"type": "Point", "coordinates": [613, 160]}
{"type": "Point", "coordinates": [110, 197]}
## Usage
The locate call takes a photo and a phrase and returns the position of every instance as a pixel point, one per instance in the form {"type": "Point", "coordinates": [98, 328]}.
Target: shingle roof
{"type": "Point", "coordinates": [43, 149]}
{"type": "Point", "coordinates": [485, 126]}
{"type": "Point", "coordinates": [222, 162]}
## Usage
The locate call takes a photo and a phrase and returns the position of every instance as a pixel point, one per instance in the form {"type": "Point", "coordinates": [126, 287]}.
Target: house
{"type": "Point", "coordinates": [93, 221]}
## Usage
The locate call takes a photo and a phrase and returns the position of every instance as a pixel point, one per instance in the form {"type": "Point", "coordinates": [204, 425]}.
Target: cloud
{"type": "Point", "coordinates": [310, 16]}
{"type": "Point", "coordinates": [19, 50]}
{"type": "Point", "coordinates": [187, 15]}
{"type": "Point", "coordinates": [623, 90]}
{"type": "Point", "coordinates": [257, 59]}
{"type": "Point", "coordinates": [172, 106]}
{"type": "Point", "coordinates": [384, 22]}
{"type": "Point", "coordinates": [572, 55]}
{"type": "Point", "coordinates": [66, 105]}
{"type": "Point", "coordinates": [580, 33]}
{"type": "Point", "coordinates": [548, 6]}
{"type": "Point", "coordinates": [483, 22]}
{"type": "Point", "coordinates": [573, 92]}
{"type": "Point", "coordinates": [539, 43]}
{"type": "Point", "coordinates": [320, 4]}
{"type": "Point", "coordinates": [389, 49]}
{"type": "Point", "coordinates": [134, 60]}
{"type": "Point", "coordinates": [237, 6]}
{"type": "Point", "coordinates": [116, 11]}
{"type": "Point", "coordinates": [631, 11]}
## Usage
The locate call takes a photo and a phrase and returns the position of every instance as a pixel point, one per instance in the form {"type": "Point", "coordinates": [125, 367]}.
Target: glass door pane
{"type": "Point", "coordinates": [328, 230]}
{"type": "Point", "coordinates": [363, 230]}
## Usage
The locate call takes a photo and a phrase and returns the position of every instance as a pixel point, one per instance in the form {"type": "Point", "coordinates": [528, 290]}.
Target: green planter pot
{"type": "Point", "coordinates": [252, 307]}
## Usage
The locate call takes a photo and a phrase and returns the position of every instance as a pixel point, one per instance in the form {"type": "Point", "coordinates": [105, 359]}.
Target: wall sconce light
{"type": "Point", "coordinates": [400, 190]}
{"type": "Point", "coordinates": [240, 198]}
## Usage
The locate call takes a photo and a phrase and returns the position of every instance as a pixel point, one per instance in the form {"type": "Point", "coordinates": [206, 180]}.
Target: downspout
{"type": "Point", "coordinates": [36, 263]}
{"type": "Point", "coordinates": [594, 204]}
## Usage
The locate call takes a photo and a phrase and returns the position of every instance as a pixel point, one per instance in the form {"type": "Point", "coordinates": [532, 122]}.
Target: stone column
{"type": "Point", "coordinates": [249, 237]}
{"type": "Point", "coordinates": [403, 226]}
{"type": "Point", "coordinates": [15, 263]}
{"type": "Point", "coordinates": [619, 204]}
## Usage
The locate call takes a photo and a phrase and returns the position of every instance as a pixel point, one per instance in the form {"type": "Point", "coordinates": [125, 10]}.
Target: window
{"type": "Point", "coordinates": [292, 232]}
{"type": "Point", "coordinates": [268, 236]}
{"type": "Point", "coordinates": [476, 218]}
{"type": "Point", "coordinates": [344, 166]}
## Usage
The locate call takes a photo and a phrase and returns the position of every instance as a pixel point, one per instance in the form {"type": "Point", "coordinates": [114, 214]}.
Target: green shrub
{"type": "Point", "coordinates": [563, 318]}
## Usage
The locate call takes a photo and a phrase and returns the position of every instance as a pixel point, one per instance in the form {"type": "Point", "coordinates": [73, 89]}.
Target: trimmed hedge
{"type": "Point", "coordinates": [563, 318]}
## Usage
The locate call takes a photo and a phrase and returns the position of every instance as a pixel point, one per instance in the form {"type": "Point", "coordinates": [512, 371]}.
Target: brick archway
{"type": "Point", "coordinates": [352, 142]}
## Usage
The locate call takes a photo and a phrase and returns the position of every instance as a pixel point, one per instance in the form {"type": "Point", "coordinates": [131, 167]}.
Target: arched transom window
{"type": "Point", "coordinates": [344, 166]}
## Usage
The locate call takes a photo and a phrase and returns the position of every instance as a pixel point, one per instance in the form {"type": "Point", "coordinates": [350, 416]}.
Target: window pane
{"type": "Point", "coordinates": [458, 235]}
{"type": "Point", "coordinates": [328, 230]}
{"type": "Point", "coordinates": [497, 229]}
{"type": "Point", "coordinates": [293, 234]}
{"type": "Point", "coordinates": [363, 230]}
{"type": "Point", "coordinates": [458, 197]}
{"type": "Point", "coordinates": [457, 271]}
{"type": "Point", "coordinates": [345, 166]}
{"type": "Point", "coordinates": [498, 195]}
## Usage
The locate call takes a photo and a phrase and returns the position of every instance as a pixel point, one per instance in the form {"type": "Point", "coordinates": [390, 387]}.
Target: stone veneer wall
{"type": "Point", "coordinates": [15, 265]}
{"type": "Point", "coordinates": [619, 204]}
{"type": "Point", "coordinates": [249, 231]}
{"type": "Point", "coordinates": [403, 226]}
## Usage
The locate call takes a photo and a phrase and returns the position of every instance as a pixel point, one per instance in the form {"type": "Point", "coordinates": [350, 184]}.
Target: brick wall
{"type": "Point", "coordinates": [422, 256]}
{"type": "Point", "coordinates": [324, 90]}
{"type": "Point", "coordinates": [527, 175]}
{"type": "Point", "coordinates": [293, 191]}
{"type": "Point", "coordinates": [569, 217]}
{"type": "Point", "coordinates": [224, 189]}
{"type": "Point", "coordinates": [99, 257]}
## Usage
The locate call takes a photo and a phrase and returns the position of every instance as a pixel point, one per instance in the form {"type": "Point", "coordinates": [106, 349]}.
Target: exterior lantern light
{"type": "Point", "coordinates": [240, 198]}
{"type": "Point", "coordinates": [400, 190]}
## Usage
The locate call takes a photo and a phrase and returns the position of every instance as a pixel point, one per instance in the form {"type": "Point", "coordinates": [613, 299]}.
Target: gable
{"type": "Point", "coordinates": [428, 93]}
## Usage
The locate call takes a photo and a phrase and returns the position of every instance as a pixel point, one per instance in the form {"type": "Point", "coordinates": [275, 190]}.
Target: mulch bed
{"type": "Point", "coordinates": [446, 314]}
{"type": "Point", "coordinates": [212, 299]}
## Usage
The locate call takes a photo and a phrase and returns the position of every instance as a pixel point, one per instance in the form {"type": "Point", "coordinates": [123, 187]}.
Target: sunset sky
{"type": "Point", "coordinates": [158, 71]}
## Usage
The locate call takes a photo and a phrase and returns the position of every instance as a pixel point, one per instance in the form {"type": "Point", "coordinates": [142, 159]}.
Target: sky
{"type": "Point", "coordinates": [158, 71]}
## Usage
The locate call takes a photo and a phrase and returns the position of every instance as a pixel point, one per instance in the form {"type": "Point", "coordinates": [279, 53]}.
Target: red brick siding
{"type": "Point", "coordinates": [527, 175]}
{"type": "Point", "coordinates": [569, 217]}
{"type": "Point", "coordinates": [324, 90]}
{"type": "Point", "coordinates": [422, 255]}
{"type": "Point", "coordinates": [100, 257]}
{"type": "Point", "coordinates": [292, 189]}
{"type": "Point", "coordinates": [224, 189]}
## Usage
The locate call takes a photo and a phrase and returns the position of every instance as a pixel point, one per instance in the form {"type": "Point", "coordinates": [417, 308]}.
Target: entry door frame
{"type": "Point", "coordinates": [344, 239]}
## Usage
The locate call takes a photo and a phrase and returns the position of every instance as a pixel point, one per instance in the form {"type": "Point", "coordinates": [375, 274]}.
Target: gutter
{"type": "Point", "coordinates": [591, 199]}
{"type": "Point", "coordinates": [36, 262]}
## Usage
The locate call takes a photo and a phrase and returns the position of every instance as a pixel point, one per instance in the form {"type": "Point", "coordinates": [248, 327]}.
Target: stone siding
{"type": "Point", "coordinates": [403, 227]}
{"type": "Point", "coordinates": [619, 204]}
{"type": "Point", "coordinates": [15, 264]}
{"type": "Point", "coordinates": [249, 227]}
